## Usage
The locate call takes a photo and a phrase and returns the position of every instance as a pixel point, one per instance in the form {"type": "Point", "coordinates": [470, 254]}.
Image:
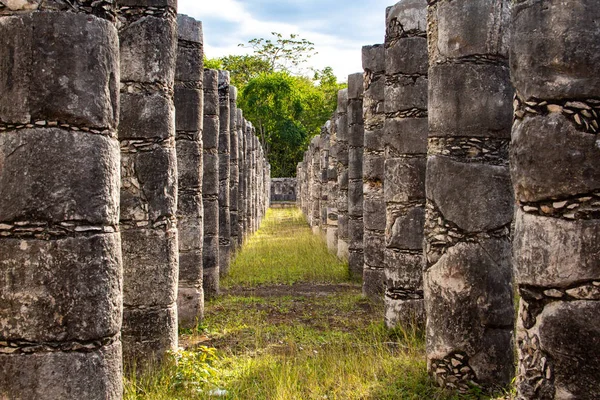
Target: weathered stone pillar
{"type": "Point", "coordinates": [148, 42]}
{"type": "Point", "coordinates": [373, 60]}
{"type": "Point", "coordinates": [356, 139]}
{"type": "Point", "coordinates": [332, 189]}
{"type": "Point", "coordinates": [224, 173]}
{"type": "Point", "coordinates": [342, 156]}
{"type": "Point", "coordinates": [299, 178]}
{"type": "Point", "coordinates": [210, 184]}
{"type": "Point", "coordinates": [189, 75]}
{"type": "Point", "coordinates": [467, 281]}
{"type": "Point", "coordinates": [242, 179]}
{"type": "Point", "coordinates": [323, 181]}
{"type": "Point", "coordinates": [555, 165]}
{"type": "Point", "coordinates": [60, 247]}
{"type": "Point", "coordinates": [234, 177]}
{"type": "Point", "coordinates": [316, 184]}
{"type": "Point", "coordinates": [405, 135]}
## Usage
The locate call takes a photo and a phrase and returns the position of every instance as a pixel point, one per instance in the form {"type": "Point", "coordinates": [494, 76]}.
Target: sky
{"type": "Point", "coordinates": [338, 28]}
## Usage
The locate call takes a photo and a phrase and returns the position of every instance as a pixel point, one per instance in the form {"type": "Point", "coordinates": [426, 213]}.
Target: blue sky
{"type": "Point", "coordinates": [338, 28]}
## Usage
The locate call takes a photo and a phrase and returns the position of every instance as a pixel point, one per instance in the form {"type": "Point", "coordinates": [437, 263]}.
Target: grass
{"type": "Point", "coordinates": [292, 326]}
{"type": "Point", "coordinates": [284, 251]}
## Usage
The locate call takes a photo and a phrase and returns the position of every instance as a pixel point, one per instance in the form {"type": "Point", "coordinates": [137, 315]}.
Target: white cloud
{"type": "Point", "coordinates": [229, 22]}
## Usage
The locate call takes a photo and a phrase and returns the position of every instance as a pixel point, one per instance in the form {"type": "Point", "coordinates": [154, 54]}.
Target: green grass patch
{"type": "Point", "coordinates": [284, 251]}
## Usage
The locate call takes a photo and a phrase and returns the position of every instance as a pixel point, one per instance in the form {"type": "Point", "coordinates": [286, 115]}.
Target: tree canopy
{"type": "Point", "coordinates": [287, 107]}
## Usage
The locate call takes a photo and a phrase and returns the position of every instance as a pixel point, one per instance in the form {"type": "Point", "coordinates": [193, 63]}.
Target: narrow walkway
{"type": "Point", "coordinates": [291, 325]}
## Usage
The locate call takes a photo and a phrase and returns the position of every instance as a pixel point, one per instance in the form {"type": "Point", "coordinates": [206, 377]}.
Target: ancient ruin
{"type": "Point", "coordinates": [148, 224]}
{"type": "Point", "coordinates": [556, 179]}
{"type": "Point", "coordinates": [129, 178]}
{"type": "Point", "coordinates": [189, 75]}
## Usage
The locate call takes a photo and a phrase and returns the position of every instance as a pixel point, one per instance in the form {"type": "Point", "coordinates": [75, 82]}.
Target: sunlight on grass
{"type": "Point", "coordinates": [284, 251]}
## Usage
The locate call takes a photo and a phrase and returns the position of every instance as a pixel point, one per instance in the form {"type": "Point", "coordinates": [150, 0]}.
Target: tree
{"type": "Point", "coordinates": [282, 54]}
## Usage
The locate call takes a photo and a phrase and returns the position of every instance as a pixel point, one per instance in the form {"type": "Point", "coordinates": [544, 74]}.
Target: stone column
{"type": "Point", "coordinates": [224, 173]}
{"type": "Point", "coordinates": [342, 156]}
{"type": "Point", "coordinates": [373, 60]}
{"type": "Point", "coordinates": [323, 183]}
{"type": "Point", "coordinates": [316, 184]}
{"type": "Point", "coordinates": [148, 42]}
{"type": "Point", "coordinates": [467, 280]}
{"type": "Point", "coordinates": [405, 134]}
{"type": "Point", "coordinates": [555, 166]}
{"type": "Point", "coordinates": [356, 139]}
{"type": "Point", "coordinates": [60, 247]}
{"type": "Point", "coordinates": [299, 169]}
{"type": "Point", "coordinates": [234, 177]}
{"type": "Point", "coordinates": [242, 179]}
{"type": "Point", "coordinates": [189, 75]}
{"type": "Point", "coordinates": [210, 184]}
{"type": "Point", "coordinates": [332, 189]}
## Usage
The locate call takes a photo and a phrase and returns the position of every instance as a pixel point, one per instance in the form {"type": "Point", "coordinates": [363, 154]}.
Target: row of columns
{"type": "Point", "coordinates": [128, 178]}
{"type": "Point", "coordinates": [447, 195]}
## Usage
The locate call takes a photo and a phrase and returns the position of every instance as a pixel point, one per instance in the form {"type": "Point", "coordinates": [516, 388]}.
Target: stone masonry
{"type": "Point", "coordinates": [224, 173]}
{"type": "Point", "coordinates": [373, 60]}
{"type": "Point", "coordinates": [283, 189]}
{"type": "Point", "coordinates": [467, 280]}
{"type": "Point", "coordinates": [234, 176]}
{"type": "Point", "coordinates": [60, 246]}
{"type": "Point", "coordinates": [341, 121]}
{"type": "Point", "coordinates": [189, 76]}
{"type": "Point", "coordinates": [332, 189]}
{"type": "Point", "coordinates": [356, 139]}
{"type": "Point", "coordinates": [148, 44]}
{"type": "Point", "coordinates": [210, 184]}
{"type": "Point", "coordinates": [406, 132]}
{"type": "Point", "coordinates": [555, 167]}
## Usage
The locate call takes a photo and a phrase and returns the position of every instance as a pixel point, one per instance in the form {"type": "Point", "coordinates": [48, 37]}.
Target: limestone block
{"type": "Point", "coordinates": [554, 52]}
{"type": "Point", "coordinates": [373, 283]}
{"type": "Point", "coordinates": [373, 167]}
{"type": "Point", "coordinates": [189, 104]}
{"type": "Point", "coordinates": [374, 213]}
{"type": "Point", "coordinates": [408, 15]}
{"type": "Point", "coordinates": [188, 29]}
{"type": "Point", "coordinates": [484, 22]}
{"type": "Point", "coordinates": [374, 138]}
{"type": "Point", "coordinates": [374, 244]}
{"type": "Point", "coordinates": [149, 333]}
{"type": "Point", "coordinates": [190, 263]}
{"type": "Point", "coordinates": [457, 88]}
{"type": "Point", "coordinates": [490, 184]}
{"type": "Point", "coordinates": [57, 73]}
{"type": "Point", "coordinates": [405, 229]}
{"type": "Point", "coordinates": [211, 216]}
{"type": "Point", "coordinates": [80, 185]}
{"type": "Point", "coordinates": [189, 164]}
{"type": "Point", "coordinates": [190, 306]}
{"type": "Point", "coordinates": [151, 256]}
{"type": "Point", "coordinates": [405, 94]}
{"type": "Point", "coordinates": [552, 252]}
{"type": "Point", "coordinates": [405, 136]}
{"type": "Point", "coordinates": [373, 58]}
{"type": "Point", "coordinates": [404, 179]}
{"type": "Point", "coordinates": [569, 166]}
{"type": "Point", "coordinates": [404, 271]}
{"type": "Point", "coordinates": [93, 374]}
{"type": "Point", "coordinates": [148, 64]}
{"type": "Point", "coordinates": [574, 368]}
{"type": "Point", "coordinates": [397, 60]}
{"type": "Point", "coordinates": [210, 136]}
{"type": "Point", "coordinates": [468, 285]}
{"type": "Point", "coordinates": [155, 172]}
{"type": "Point", "coordinates": [146, 116]}
{"type": "Point", "coordinates": [210, 184]}
{"type": "Point", "coordinates": [67, 289]}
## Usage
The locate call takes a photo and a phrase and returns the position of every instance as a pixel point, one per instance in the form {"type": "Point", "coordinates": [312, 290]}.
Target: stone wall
{"type": "Point", "coordinates": [283, 189]}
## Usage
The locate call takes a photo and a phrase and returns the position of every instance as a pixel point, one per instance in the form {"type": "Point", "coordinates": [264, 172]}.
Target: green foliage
{"type": "Point", "coordinates": [282, 54]}
{"type": "Point", "coordinates": [194, 368]}
{"type": "Point", "coordinates": [287, 109]}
